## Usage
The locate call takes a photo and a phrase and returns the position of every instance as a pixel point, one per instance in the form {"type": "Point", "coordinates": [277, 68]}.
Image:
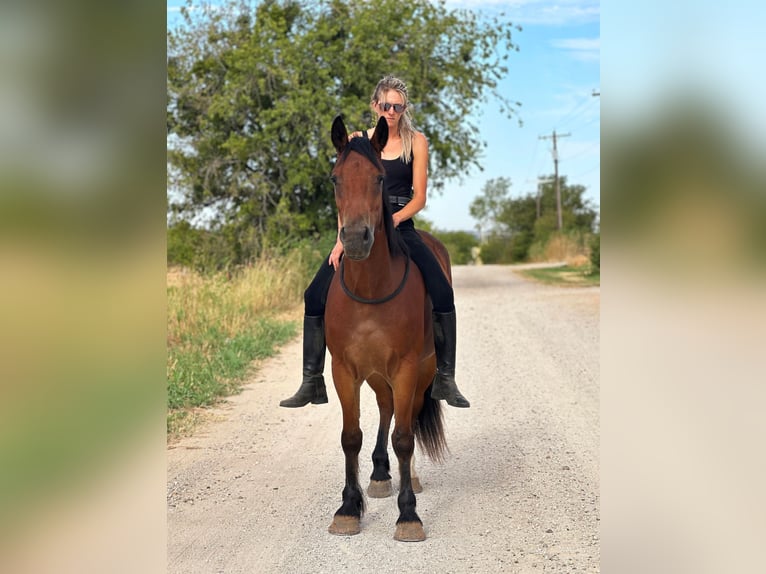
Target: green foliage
{"type": "Point", "coordinates": [424, 224]}
{"type": "Point", "coordinates": [488, 207]}
{"type": "Point", "coordinates": [182, 240]}
{"type": "Point", "coordinates": [203, 250]}
{"type": "Point", "coordinates": [218, 323]}
{"type": "Point", "coordinates": [252, 92]}
{"type": "Point", "coordinates": [521, 227]}
{"type": "Point", "coordinates": [565, 276]}
{"type": "Point", "coordinates": [595, 252]}
{"type": "Point", "coordinates": [520, 245]}
{"type": "Point", "coordinates": [497, 249]}
{"type": "Point", "coordinates": [212, 363]}
{"type": "Point", "coordinates": [226, 248]}
{"type": "Point", "coordinates": [459, 244]}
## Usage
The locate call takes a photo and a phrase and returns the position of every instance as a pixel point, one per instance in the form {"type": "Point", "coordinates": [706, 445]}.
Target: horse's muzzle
{"type": "Point", "coordinates": [357, 241]}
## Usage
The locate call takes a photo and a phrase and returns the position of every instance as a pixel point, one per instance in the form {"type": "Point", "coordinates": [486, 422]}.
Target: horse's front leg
{"type": "Point", "coordinates": [409, 527]}
{"type": "Point", "coordinates": [380, 480]}
{"type": "Point", "coordinates": [347, 518]}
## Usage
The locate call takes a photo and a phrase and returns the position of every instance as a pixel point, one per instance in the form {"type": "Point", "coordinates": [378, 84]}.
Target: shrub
{"type": "Point", "coordinates": [459, 245]}
{"type": "Point", "coordinates": [497, 250]}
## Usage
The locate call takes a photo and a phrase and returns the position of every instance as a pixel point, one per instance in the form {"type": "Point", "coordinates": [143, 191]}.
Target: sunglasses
{"type": "Point", "coordinates": [398, 108]}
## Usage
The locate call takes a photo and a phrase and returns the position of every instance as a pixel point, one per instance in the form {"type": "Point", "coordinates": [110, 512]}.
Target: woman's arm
{"type": "Point", "coordinates": [419, 179]}
{"type": "Point", "coordinates": [337, 251]}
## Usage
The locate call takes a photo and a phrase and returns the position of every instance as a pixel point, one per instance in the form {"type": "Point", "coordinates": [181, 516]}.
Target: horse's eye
{"type": "Point", "coordinates": [333, 179]}
{"type": "Point", "coordinates": [380, 180]}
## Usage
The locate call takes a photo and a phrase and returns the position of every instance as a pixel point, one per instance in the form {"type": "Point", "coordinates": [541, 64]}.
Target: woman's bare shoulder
{"type": "Point", "coordinates": [419, 141]}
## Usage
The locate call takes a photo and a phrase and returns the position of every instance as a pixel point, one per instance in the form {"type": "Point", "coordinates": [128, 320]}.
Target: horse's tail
{"type": "Point", "coordinates": [429, 428]}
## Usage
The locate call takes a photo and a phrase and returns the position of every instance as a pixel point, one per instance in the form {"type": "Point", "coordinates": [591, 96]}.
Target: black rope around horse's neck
{"type": "Point", "coordinates": [388, 297]}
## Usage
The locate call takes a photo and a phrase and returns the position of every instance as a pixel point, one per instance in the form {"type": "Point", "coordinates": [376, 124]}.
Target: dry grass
{"type": "Point", "coordinates": [564, 248]}
{"type": "Point", "coordinates": [219, 325]}
{"type": "Point", "coordinates": [268, 288]}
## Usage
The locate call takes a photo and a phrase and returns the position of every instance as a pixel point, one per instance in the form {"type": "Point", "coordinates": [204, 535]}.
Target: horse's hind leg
{"type": "Point", "coordinates": [380, 480]}
{"type": "Point", "coordinates": [347, 517]}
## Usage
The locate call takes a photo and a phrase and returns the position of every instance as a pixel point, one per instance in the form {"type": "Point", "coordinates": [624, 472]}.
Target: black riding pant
{"type": "Point", "coordinates": [442, 296]}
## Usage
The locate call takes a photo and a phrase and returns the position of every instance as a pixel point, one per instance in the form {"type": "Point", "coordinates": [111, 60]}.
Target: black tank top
{"type": "Point", "coordinates": [398, 180]}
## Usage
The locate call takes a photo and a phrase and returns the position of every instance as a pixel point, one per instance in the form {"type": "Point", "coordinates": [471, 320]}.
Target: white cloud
{"type": "Point", "coordinates": [585, 49]}
{"type": "Point", "coordinates": [537, 12]}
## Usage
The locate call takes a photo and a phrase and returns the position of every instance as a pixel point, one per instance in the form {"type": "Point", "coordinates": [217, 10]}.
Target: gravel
{"type": "Point", "coordinates": [255, 489]}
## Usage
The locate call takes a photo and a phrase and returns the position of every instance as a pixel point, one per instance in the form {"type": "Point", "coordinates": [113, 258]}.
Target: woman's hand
{"type": "Point", "coordinates": [397, 218]}
{"type": "Point", "coordinates": [335, 254]}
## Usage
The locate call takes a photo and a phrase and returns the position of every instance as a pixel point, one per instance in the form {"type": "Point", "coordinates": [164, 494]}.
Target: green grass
{"type": "Point", "coordinates": [219, 325]}
{"type": "Point", "coordinates": [214, 364]}
{"type": "Point", "coordinates": [565, 275]}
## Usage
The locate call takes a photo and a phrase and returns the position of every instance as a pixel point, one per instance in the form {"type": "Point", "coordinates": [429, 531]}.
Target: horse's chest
{"type": "Point", "coordinates": [372, 340]}
{"type": "Point", "coordinates": [365, 337]}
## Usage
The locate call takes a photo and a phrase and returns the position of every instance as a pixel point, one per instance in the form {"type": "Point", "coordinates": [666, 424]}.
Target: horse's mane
{"type": "Point", "coordinates": [362, 145]}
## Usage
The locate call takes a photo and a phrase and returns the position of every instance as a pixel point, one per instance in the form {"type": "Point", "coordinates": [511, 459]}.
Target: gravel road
{"type": "Point", "coordinates": [256, 488]}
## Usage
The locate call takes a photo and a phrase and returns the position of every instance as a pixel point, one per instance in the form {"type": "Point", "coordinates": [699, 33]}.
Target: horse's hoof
{"type": "Point", "coordinates": [380, 489]}
{"type": "Point", "coordinates": [344, 526]}
{"type": "Point", "coordinates": [409, 532]}
{"type": "Point", "coordinates": [417, 488]}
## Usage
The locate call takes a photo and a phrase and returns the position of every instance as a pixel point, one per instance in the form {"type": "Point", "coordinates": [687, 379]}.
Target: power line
{"type": "Point", "coordinates": [583, 151]}
{"type": "Point", "coordinates": [531, 161]}
{"type": "Point", "coordinates": [580, 108]}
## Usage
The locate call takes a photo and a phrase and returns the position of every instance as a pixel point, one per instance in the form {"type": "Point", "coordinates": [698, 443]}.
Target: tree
{"type": "Point", "coordinates": [459, 244]}
{"type": "Point", "coordinates": [252, 93]}
{"type": "Point", "coordinates": [519, 217]}
{"type": "Point", "coordinates": [487, 207]}
{"type": "Point", "coordinates": [576, 211]}
{"type": "Point", "coordinates": [516, 223]}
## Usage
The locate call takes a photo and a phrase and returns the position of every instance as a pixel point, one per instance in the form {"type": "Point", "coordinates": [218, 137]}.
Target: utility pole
{"type": "Point", "coordinates": [555, 136]}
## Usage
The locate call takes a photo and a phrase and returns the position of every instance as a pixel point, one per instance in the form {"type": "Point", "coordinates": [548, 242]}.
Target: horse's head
{"type": "Point", "coordinates": [358, 178]}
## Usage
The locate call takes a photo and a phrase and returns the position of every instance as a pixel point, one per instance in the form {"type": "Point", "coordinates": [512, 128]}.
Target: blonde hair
{"type": "Point", "coordinates": [406, 131]}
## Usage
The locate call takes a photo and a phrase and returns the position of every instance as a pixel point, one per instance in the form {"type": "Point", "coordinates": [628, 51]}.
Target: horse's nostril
{"type": "Point", "coordinates": [342, 232]}
{"type": "Point", "coordinates": [366, 236]}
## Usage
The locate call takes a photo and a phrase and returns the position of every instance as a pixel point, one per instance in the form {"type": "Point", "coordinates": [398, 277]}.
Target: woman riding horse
{"type": "Point", "coordinates": [405, 159]}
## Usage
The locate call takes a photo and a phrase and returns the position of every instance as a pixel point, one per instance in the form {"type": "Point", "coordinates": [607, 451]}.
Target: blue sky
{"type": "Point", "coordinates": [554, 76]}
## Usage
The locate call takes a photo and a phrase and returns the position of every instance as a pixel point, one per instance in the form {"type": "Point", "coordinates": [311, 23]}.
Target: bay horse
{"type": "Point", "coordinates": [378, 329]}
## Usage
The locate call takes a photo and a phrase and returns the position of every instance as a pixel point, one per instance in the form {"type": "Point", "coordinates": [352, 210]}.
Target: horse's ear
{"type": "Point", "coordinates": [339, 134]}
{"type": "Point", "coordinates": [380, 136]}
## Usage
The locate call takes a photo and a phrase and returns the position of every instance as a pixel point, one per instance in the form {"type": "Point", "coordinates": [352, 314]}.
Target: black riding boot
{"type": "Point", "coordinates": [312, 389]}
{"type": "Point", "coordinates": [445, 338]}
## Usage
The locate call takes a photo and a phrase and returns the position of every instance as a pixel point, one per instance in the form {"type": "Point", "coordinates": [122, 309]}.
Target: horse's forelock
{"type": "Point", "coordinates": [362, 146]}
